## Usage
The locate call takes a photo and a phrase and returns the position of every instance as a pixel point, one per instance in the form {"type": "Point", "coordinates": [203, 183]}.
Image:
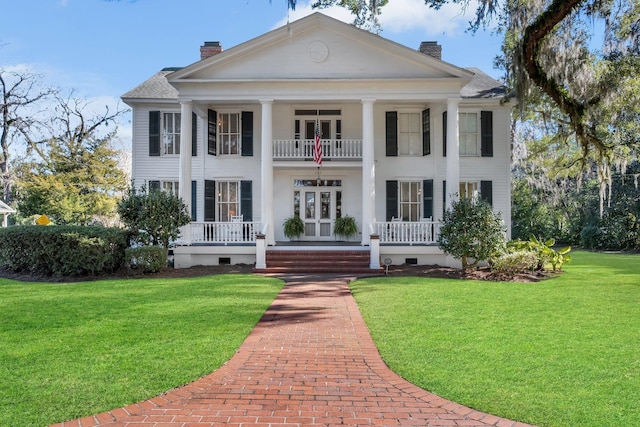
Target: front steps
{"type": "Point", "coordinates": [318, 262]}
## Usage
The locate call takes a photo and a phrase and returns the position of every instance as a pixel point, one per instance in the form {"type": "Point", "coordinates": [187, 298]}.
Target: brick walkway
{"type": "Point", "coordinates": [310, 361]}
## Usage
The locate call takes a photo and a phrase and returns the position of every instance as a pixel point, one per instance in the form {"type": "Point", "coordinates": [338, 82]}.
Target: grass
{"type": "Point", "coordinates": [71, 350]}
{"type": "Point", "coordinates": [563, 352]}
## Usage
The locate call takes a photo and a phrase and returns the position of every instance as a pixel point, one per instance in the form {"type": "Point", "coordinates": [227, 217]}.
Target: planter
{"type": "Point", "coordinates": [293, 227]}
{"type": "Point", "coordinates": [345, 227]}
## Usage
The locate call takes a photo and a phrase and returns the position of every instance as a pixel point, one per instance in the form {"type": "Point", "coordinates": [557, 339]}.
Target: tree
{"type": "Point", "coordinates": [20, 99]}
{"type": "Point", "coordinates": [471, 232]}
{"type": "Point", "coordinates": [72, 175]}
{"type": "Point", "coordinates": [547, 47]}
{"type": "Point", "coordinates": [154, 217]}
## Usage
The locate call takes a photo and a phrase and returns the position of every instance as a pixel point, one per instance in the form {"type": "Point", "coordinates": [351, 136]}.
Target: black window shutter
{"type": "Point", "coordinates": [209, 200]}
{"type": "Point", "coordinates": [486, 133]}
{"type": "Point", "coordinates": [247, 133]}
{"type": "Point", "coordinates": [392, 133]}
{"type": "Point", "coordinates": [194, 134]}
{"type": "Point", "coordinates": [212, 132]}
{"type": "Point", "coordinates": [154, 133]}
{"type": "Point", "coordinates": [154, 186]}
{"type": "Point", "coordinates": [194, 199]}
{"type": "Point", "coordinates": [246, 200]}
{"type": "Point", "coordinates": [486, 191]}
{"type": "Point", "coordinates": [427, 198]}
{"type": "Point", "coordinates": [392, 200]}
{"type": "Point", "coordinates": [444, 196]}
{"type": "Point", "coordinates": [426, 132]}
{"type": "Point", "coordinates": [444, 134]}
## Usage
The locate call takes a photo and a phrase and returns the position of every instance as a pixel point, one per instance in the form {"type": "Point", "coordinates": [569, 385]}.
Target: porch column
{"type": "Point", "coordinates": [453, 153]}
{"type": "Point", "coordinates": [368, 170]}
{"type": "Point", "coordinates": [266, 206]}
{"type": "Point", "coordinates": [186, 109]}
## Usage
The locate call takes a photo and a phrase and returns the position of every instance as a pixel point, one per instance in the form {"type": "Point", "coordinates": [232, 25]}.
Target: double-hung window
{"type": "Point", "coordinates": [171, 187]}
{"type": "Point", "coordinates": [468, 190]}
{"type": "Point", "coordinates": [170, 133]}
{"type": "Point", "coordinates": [468, 133]}
{"type": "Point", "coordinates": [228, 200]}
{"type": "Point", "coordinates": [409, 134]}
{"type": "Point", "coordinates": [410, 200]}
{"type": "Point", "coordinates": [229, 133]}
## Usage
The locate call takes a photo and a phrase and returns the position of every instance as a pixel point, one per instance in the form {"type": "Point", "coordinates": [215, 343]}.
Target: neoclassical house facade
{"type": "Point", "coordinates": [321, 120]}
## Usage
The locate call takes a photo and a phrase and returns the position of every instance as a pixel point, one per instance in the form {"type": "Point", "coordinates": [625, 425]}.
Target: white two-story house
{"type": "Point", "coordinates": [401, 133]}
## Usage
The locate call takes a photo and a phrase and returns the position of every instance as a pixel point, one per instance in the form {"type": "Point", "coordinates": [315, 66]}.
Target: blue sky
{"type": "Point", "coordinates": [103, 49]}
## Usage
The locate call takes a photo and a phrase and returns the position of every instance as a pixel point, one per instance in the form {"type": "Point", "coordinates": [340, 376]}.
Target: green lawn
{"type": "Point", "coordinates": [70, 350]}
{"type": "Point", "coordinates": [563, 352]}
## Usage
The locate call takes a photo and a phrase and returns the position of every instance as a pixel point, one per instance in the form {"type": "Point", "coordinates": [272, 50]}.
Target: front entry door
{"type": "Point", "coordinates": [319, 213]}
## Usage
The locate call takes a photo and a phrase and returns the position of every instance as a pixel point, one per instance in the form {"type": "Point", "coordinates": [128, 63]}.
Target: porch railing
{"type": "Point", "coordinates": [408, 233]}
{"type": "Point", "coordinates": [302, 149]}
{"type": "Point", "coordinates": [224, 232]}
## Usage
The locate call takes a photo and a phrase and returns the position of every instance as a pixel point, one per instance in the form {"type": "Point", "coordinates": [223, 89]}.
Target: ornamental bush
{"type": "Point", "coordinates": [472, 232]}
{"type": "Point", "coordinates": [62, 250]}
{"type": "Point", "coordinates": [148, 259]}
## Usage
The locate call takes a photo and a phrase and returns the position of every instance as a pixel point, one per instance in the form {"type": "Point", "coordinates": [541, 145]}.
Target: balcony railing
{"type": "Point", "coordinates": [224, 232]}
{"type": "Point", "coordinates": [332, 149]}
{"type": "Point", "coordinates": [408, 233]}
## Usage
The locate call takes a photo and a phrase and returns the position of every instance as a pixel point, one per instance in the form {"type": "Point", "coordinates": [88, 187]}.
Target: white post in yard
{"type": "Point", "coordinates": [374, 251]}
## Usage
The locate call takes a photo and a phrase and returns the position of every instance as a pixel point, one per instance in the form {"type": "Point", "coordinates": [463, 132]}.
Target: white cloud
{"type": "Point", "coordinates": [402, 15]}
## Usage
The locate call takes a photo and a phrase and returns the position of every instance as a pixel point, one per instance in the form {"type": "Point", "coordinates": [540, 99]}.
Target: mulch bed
{"type": "Point", "coordinates": [394, 271]}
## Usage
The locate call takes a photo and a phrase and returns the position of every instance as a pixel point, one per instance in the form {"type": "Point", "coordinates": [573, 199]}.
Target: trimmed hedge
{"type": "Point", "coordinates": [148, 259]}
{"type": "Point", "coordinates": [62, 250]}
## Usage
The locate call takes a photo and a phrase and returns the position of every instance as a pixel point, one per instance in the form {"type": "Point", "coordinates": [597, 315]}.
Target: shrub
{"type": "Point", "coordinates": [544, 251]}
{"type": "Point", "coordinates": [471, 230]}
{"type": "Point", "coordinates": [511, 263]}
{"type": "Point", "coordinates": [148, 259]}
{"type": "Point", "coordinates": [62, 250]}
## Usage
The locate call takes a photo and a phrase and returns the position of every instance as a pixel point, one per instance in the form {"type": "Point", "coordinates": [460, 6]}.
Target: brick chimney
{"type": "Point", "coordinates": [432, 49]}
{"type": "Point", "coordinates": [209, 49]}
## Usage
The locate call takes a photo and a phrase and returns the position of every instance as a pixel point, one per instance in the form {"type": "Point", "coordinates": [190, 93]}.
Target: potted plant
{"type": "Point", "coordinates": [345, 227]}
{"type": "Point", "coordinates": [293, 227]}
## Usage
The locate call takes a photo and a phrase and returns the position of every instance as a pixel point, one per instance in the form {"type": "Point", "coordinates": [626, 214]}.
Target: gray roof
{"type": "Point", "coordinates": [483, 85]}
{"type": "Point", "coordinates": [157, 87]}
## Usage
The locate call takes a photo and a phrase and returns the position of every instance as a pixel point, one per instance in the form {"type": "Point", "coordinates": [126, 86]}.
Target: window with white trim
{"type": "Point", "coordinates": [228, 200]}
{"type": "Point", "coordinates": [410, 200]}
{"type": "Point", "coordinates": [171, 187]}
{"type": "Point", "coordinates": [468, 190]}
{"type": "Point", "coordinates": [409, 134]}
{"type": "Point", "coordinates": [229, 133]}
{"type": "Point", "coordinates": [468, 133]}
{"type": "Point", "coordinates": [170, 133]}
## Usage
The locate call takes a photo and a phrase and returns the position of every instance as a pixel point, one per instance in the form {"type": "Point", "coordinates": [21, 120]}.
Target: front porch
{"type": "Point", "coordinates": [395, 242]}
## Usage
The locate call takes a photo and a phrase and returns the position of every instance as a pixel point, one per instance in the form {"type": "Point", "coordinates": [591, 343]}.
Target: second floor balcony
{"type": "Point", "coordinates": [332, 149]}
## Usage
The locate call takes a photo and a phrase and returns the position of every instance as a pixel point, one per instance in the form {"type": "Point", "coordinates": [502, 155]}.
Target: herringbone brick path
{"type": "Point", "coordinates": [310, 361]}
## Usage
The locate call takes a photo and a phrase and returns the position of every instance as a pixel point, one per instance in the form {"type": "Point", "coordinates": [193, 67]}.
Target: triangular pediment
{"type": "Point", "coordinates": [318, 47]}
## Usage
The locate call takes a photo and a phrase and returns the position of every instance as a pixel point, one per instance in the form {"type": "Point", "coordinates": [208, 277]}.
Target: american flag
{"type": "Point", "coordinates": [317, 146]}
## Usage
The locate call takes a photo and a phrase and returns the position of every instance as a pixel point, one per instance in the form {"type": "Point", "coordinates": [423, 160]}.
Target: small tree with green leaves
{"type": "Point", "coordinates": [471, 232]}
{"type": "Point", "coordinates": [153, 217]}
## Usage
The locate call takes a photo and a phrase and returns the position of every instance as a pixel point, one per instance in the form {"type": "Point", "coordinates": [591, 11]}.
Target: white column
{"type": "Point", "coordinates": [266, 206]}
{"type": "Point", "coordinates": [453, 152]}
{"type": "Point", "coordinates": [368, 171]}
{"type": "Point", "coordinates": [186, 110]}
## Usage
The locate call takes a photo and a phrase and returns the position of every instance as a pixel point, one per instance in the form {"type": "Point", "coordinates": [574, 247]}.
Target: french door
{"type": "Point", "coordinates": [318, 209]}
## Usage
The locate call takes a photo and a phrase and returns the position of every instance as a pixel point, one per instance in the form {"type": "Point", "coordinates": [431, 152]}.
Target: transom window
{"type": "Point", "coordinates": [409, 134]}
{"type": "Point", "coordinates": [228, 200]}
{"type": "Point", "coordinates": [229, 133]}
{"type": "Point", "coordinates": [410, 200]}
{"type": "Point", "coordinates": [170, 133]}
{"type": "Point", "coordinates": [468, 190]}
{"type": "Point", "coordinates": [468, 131]}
